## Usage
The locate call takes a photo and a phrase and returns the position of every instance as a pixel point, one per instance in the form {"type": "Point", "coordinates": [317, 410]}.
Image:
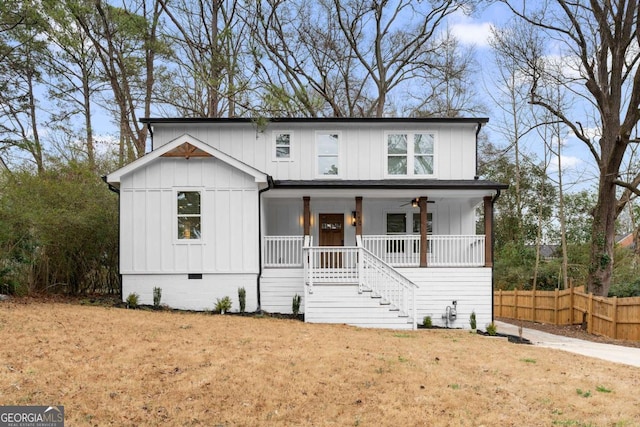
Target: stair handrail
{"type": "Point", "coordinates": [404, 300]}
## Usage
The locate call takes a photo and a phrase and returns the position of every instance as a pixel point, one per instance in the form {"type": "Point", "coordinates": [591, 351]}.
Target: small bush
{"type": "Point", "coordinates": [223, 305]}
{"type": "Point", "coordinates": [492, 329]}
{"type": "Point", "coordinates": [242, 298]}
{"type": "Point", "coordinates": [157, 296]}
{"type": "Point", "coordinates": [623, 290]}
{"type": "Point", "coordinates": [132, 300]}
{"type": "Point", "coordinates": [295, 305]}
{"type": "Point", "coordinates": [472, 320]}
{"type": "Point", "coordinates": [426, 322]}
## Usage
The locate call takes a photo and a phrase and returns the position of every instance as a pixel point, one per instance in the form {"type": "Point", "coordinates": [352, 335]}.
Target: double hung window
{"type": "Point", "coordinates": [328, 154]}
{"type": "Point", "coordinates": [189, 215]}
{"type": "Point", "coordinates": [410, 154]}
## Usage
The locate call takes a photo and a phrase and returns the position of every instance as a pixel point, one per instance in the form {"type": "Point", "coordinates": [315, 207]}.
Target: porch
{"type": "Point", "coordinates": [356, 259]}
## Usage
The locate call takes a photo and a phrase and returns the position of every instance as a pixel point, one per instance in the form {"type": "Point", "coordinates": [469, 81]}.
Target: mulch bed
{"type": "Point", "coordinates": [572, 331]}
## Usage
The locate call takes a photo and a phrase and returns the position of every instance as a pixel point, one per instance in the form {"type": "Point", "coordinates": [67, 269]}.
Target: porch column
{"type": "Point", "coordinates": [488, 231]}
{"type": "Point", "coordinates": [422, 203]}
{"type": "Point", "coordinates": [306, 216]}
{"type": "Point", "coordinates": [358, 216]}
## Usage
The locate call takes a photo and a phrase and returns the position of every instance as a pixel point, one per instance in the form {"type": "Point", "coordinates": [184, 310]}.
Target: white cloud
{"type": "Point", "coordinates": [472, 33]}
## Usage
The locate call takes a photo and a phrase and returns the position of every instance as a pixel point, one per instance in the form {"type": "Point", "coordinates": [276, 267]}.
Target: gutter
{"type": "Point", "coordinates": [477, 175]}
{"type": "Point", "coordinates": [117, 191]}
{"type": "Point", "coordinates": [493, 217]}
{"type": "Point", "coordinates": [111, 187]}
{"type": "Point", "coordinates": [269, 187]}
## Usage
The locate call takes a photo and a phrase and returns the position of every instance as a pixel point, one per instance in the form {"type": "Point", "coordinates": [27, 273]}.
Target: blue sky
{"type": "Point", "coordinates": [578, 165]}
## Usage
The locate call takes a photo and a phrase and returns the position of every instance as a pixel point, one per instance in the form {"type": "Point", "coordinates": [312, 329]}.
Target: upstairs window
{"type": "Point", "coordinates": [282, 146]}
{"type": "Point", "coordinates": [410, 154]}
{"type": "Point", "coordinates": [328, 151]}
{"type": "Point", "coordinates": [189, 215]}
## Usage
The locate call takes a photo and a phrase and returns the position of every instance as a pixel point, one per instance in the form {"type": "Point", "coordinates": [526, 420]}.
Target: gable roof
{"type": "Point", "coordinates": [185, 146]}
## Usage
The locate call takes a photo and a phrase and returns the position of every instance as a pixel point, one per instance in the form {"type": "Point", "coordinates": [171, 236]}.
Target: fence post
{"type": "Point", "coordinates": [590, 308]}
{"type": "Point", "coordinates": [615, 317]}
{"type": "Point", "coordinates": [500, 306]}
{"type": "Point", "coordinates": [515, 304]}
{"type": "Point", "coordinates": [556, 315]}
{"type": "Point", "coordinates": [533, 305]}
{"type": "Point", "coordinates": [571, 304]}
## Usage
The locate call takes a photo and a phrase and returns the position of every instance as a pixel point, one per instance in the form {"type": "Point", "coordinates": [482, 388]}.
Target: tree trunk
{"type": "Point", "coordinates": [603, 237]}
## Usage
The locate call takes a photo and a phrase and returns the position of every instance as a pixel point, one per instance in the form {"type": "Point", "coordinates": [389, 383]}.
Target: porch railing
{"type": "Point", "coordinates": [395, 250]}
{"type": "Point", "coordinates": [442, 250]}
{"type": "Point", "coordinates": [282, 251]}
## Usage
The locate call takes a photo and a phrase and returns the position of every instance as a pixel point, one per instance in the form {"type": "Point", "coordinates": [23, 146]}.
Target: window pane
{"type": "Point", "coordinates": [283, 139]}
{"type": "Point", "coordinates": [328, 165]}
{"type": "Point", "coordinates": [282, 152]}
{"type": "Point", "coordinates": [396, 223]}
{"type": "Point", "coordinates": [397, 165]}
{"type": "Point", "coordinates": [423, 165]}
{"type": "Point", "coordinates": [423, 143]}
{"type": "Point", "coordinates": [416, 223]}
{"type": "Point", "coordinates": [189, 227]}
{"type": "Point", "coordinates": [188, 202]}
{"type": "Point", "coordinates": [397, 144]}
{"type": "Point", "coordinates": [327, 144]}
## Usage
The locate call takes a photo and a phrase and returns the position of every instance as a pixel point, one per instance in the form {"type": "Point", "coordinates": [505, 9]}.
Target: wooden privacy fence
{"type": "Point", "coordinates": [615, 317]}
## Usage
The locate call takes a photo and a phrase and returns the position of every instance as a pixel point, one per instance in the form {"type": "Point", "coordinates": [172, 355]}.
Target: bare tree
{"type": "Point", "coordinates": [209, 41]}
{"type": "Point", "coordinates": [598, 45]}
{"type": "Point", "coordinates": [346, 57]}
{"type": "Point", "coordinates": [127, 45]}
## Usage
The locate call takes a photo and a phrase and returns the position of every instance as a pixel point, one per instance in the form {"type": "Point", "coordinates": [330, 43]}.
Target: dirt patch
{"type": "Point", "coordinates": [572, 331]}
{"type": "Point", "coordinates": [112, 366]}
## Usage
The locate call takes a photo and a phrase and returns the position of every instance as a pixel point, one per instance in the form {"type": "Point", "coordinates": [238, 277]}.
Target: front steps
{"type": "Point", "coordinates": [341, 303]}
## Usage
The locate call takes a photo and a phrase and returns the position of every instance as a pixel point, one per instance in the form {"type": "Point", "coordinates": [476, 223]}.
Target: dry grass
{"type": "Point", "coordinates": [111, 366]}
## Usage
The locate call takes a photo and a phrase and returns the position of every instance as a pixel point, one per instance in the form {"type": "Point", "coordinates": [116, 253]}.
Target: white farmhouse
{"type": "Point", "coordinates": [371, 221]}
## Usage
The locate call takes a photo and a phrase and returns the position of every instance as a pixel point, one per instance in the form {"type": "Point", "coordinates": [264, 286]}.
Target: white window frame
{"type": "Point", "coordinates": [176, 215]}
{"type": "Point", "coordinates": [317, 155]}
{"type": "Point", "coordinates": [274, 138]}
{"type": "Point", "coordinates": [411, 155]}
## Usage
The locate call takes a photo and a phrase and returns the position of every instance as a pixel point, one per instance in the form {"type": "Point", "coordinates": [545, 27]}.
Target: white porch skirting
{"type": "Point", "coordinates": [437, 289]}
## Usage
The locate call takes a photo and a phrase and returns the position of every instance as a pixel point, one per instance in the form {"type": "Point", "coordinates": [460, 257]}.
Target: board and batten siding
{"type": "Point", "coordinates": [148, 216]}
{"type": "Point", "coordinates": [362, 146]}
{"type": "Point", "coordinates": [439, 287]}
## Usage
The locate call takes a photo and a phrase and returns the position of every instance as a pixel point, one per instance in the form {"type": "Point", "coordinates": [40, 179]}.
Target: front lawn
{"type": "Point", "coordinates": [112, 366]}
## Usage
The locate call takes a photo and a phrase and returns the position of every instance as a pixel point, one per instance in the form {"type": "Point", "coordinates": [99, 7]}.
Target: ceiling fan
{"type": "Point", "coordinates": [414, 202]}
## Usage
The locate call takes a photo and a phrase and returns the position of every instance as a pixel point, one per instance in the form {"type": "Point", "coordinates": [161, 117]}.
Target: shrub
{"type": "Point", "coordinates": [492, 329]}
{"type": "Point", "coordinates": [157, 296]}
{"type": "Point", "coordinates": [472, 320]}
{"type": "Point", "coordinates": [223, 305]}
{"type": "Point", "coordinates": [132, 300]}
{"type": "Point", "coordinates": [426, 322]}
{"type": "Point", "coordinates": [242, 298]}
{"type": "Point", "coordinates": [622, 290]}
{"type": "Point", "coordinates": [295, 305]}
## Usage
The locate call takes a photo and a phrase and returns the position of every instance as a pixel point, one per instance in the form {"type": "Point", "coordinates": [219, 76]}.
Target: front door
{"type": "Point", "coordinates": [331, 234]}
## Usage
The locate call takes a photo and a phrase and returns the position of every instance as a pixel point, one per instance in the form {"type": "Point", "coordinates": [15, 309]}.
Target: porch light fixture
{"type": "Point", "coordinates": [354, 220]}
{"type": "Point", "coordinates": [414, 203]}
